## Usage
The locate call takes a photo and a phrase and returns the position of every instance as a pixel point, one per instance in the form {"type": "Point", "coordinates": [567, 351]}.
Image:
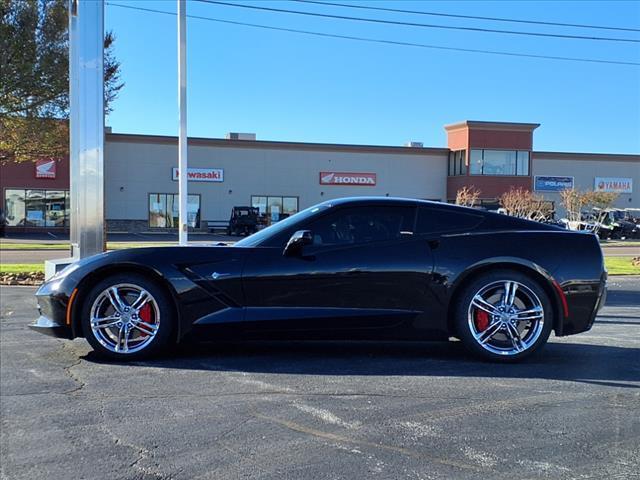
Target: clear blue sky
{"type": "Point", "coordinates": [286, 86]}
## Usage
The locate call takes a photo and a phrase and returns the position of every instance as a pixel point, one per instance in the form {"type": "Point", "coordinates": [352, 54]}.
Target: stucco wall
{"type": "Point", "coordinates": [141, 168]}
{"type": "Point", "coordinates": [584, 169]}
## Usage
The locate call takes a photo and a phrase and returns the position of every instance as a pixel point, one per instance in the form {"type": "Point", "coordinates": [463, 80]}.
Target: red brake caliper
{"type": "Point", "coordinates": [482, 320]}
{"type": "Point", "coordinates": [145, 316]}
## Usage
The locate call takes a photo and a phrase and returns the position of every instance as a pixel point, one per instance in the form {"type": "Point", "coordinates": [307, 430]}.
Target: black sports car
{"type": "Point", "coordinates": [355, 268]}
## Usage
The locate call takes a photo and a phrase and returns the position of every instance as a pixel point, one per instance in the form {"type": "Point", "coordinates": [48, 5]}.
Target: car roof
{"type": "Point", "coordinates": [493, 220]}
{"type": "Point", "coordinates": [380, 200]}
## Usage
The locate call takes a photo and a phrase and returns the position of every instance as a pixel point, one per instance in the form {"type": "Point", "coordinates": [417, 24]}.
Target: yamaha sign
{"type": "Point", "coordinates": [348, 178]}
{"type": "Point", "coordinates": [613, 184]}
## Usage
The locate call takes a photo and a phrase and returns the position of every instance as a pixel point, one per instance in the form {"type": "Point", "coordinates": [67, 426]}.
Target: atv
{"type": "Point", "coordinates": [243, 221]}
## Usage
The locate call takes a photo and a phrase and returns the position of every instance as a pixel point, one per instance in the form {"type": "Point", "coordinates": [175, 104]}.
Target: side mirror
{"type": "Point", "coordinates": [296, 242]}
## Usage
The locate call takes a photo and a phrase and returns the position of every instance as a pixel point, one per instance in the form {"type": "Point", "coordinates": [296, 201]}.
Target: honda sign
{"type": "Point", "coordinates": [348, 178]}
{"type": "Point", "coordinates": [46, 168]}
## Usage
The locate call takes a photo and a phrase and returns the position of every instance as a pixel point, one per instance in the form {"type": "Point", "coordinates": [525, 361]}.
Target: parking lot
{"type": "Point", "coordinates": [323, 410]}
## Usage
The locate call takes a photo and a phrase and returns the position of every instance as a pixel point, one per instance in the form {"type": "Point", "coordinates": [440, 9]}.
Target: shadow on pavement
{"type": "Point", "coordinates": [623, 298]}
{"type": "Point", "coordinates": [595, 364]}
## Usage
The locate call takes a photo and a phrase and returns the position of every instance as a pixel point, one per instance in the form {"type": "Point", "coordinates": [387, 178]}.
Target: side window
{"type": "Point", "coordinates": [360, 225]}
{"type": "Point", "coordinates": [435, 220]}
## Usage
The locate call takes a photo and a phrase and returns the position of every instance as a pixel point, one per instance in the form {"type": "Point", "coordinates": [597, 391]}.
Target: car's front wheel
{"type": "Point", "coordinates": [126, 317]}
{"type": "Point", "coordinates": [503, 315]}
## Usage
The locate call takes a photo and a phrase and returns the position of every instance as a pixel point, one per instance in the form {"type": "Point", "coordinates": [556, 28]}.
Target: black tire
{"type": "Point", "coordinates": [160, 302]}
{"type": "Point", "coordinates": [497, 348]}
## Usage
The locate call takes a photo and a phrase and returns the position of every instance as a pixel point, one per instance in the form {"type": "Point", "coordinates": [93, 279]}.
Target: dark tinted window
{"type": "Point", "coordinates": [435, 220]}
{"type": "Point", "coordinates": [363, 225]}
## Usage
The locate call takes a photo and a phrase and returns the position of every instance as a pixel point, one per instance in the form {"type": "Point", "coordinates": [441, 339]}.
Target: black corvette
{"type": "Point", "coordinates": [358, 268]}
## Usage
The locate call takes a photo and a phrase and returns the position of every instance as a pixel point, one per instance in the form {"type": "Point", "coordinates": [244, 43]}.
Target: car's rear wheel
{"type": "Point", "coordinates": [127, 317]}
{"type": "Point", "coordinates": [503, 316]}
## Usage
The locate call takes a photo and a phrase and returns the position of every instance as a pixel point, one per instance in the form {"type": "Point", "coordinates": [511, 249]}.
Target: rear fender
{"type": "Point", "coordinates": [546, 280]}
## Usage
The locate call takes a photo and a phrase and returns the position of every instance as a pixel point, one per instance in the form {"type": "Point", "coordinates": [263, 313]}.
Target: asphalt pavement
{"type": "Point", "coordinates": [322, 410]}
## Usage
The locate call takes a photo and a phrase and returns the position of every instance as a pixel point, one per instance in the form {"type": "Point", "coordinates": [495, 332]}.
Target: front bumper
{"type": "Point", "coordinates": [53, 299]}
{"type": "Point", "coordinates": [47, 326]}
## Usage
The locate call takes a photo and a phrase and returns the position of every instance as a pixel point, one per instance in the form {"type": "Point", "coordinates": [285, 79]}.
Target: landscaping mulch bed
{"type": "Point", "coordinates": [25, 278]}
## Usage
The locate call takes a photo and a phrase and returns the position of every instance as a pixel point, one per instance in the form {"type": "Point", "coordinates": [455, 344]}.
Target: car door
{"type": "Point", "coordinates": [365, 270]}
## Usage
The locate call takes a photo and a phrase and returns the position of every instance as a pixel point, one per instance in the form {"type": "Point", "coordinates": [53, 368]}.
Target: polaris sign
{"type": "Point", "coordinates": [552, 184]}
{"type": "Point", "coordinates": [348, 178]}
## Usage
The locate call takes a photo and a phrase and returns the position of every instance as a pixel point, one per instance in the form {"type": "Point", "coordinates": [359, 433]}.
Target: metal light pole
{"type": "Point", "coordinates": [86, 99]}
{"type": "Point", "coordinates": [182, 133]}
{"type": "Point", "coordinates": [86, 132]}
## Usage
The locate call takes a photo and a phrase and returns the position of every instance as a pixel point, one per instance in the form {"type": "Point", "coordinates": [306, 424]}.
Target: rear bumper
{"type": "Point", "coordinates": [585, 299]}
{"type": "Point", "coordinates": [49, 327]}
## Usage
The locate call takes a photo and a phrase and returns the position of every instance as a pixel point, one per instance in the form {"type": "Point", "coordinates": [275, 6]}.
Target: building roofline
{"type": "Point", "coordinates": [338, 147]}
{"type": "Point", "coordinates": [481, 125]}
{"type": "Point", "coordinates": [275, 145]}
{"type": "Point", "coordinates": [624, 157]}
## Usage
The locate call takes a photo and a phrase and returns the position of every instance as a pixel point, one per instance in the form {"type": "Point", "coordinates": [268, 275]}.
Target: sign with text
{"type": "Point", "coordinates": [46, 168]}
{"type": "Point", "coordinates": [552, 184]}
{"type": "Point", "coordinates": [613, 184]}
{"type": "Point", "coordinates": [201, 174]}
{"type": "Point", "coordinates": [347, 178]}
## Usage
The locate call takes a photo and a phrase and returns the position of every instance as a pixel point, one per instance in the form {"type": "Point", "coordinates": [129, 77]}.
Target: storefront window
{"type": "Point", "coordinates": [55, 208]}
{"type": "Point", "coordinates": [500, 162]}
{"type": "Point", "coordinates": [157, 210]}
{"type": "Point", "coordinates": [523, 163]}
{"type": "Point", "coordinates": [35, 203]}
{"type": "Point", "coordinates": [260, 203]}
{"type": "Point", "coordinates": [457, 163]}
{"type": "Point", "coordinates": [289, 205]}
{"type": "Point", "coordinates": [476, 162]}
{"type": "Point", "coordinates": [273, 209]}
{"type": "Point", "coordinates": [14, 207]}
{"type": "Point", "coordinates": [36, 208]}
{"type": "Point", "coordinates": [164, 210]}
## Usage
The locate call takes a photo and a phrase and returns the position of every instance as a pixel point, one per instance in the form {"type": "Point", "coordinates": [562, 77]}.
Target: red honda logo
{"type": "Point", "coordinates": [46, 168]}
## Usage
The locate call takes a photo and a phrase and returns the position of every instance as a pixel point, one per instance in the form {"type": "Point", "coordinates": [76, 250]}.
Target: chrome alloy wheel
{"type": "Point", "coordinates": [125, 318]}
{"type": "Point", "coordinates": [506, 317]}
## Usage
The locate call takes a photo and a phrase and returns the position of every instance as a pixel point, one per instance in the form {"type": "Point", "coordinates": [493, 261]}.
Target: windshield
{"type": "Point", "coordinates": [259, 237]}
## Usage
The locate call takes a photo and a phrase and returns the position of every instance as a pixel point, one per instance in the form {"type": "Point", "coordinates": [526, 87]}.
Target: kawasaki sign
{"type": "Point", "coordinates": [348, 178]}
{"type": "Point", "coordinates": [201, 174]}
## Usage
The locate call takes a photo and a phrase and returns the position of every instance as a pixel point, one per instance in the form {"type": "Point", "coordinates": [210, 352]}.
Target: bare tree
{"type": "Point", "coordinates": [522, 203]}
{"type": "Point", "coordinates": [576, 201]}
{"type": "Point", "coordinates": [600, 202]}
{"type": "Point", "coordinates": [468, 196]}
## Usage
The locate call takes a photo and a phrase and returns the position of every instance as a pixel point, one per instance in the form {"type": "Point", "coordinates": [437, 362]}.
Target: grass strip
{"type": "Point", "coordinates": [615, 266]}
{"type": "Point", "coordinates": [65, 246]}
{"type": "Point", "coordinates": [9, 268]}
{"type": "Point", "coordinates": [620, 266]}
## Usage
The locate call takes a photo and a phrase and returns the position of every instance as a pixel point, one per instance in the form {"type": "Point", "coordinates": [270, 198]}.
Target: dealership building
{"type": "Point", "coordinates": [281, 178]}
